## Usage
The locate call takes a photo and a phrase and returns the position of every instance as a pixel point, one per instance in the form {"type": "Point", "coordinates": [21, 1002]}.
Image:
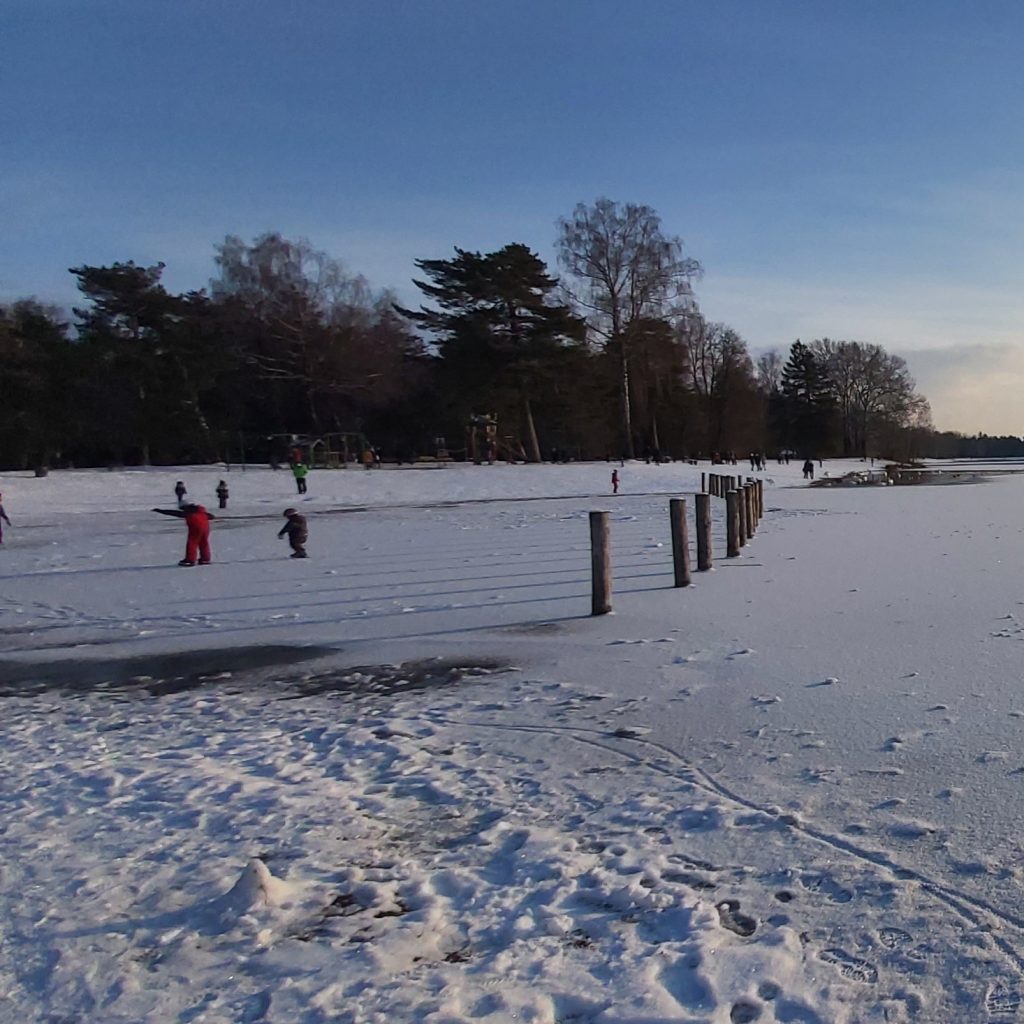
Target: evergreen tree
{"type": "Point", "coordinates": [809, 410]}
{"type": "Point", "coordinates": [501, 336]}
{"type": "Point", "coordinates": [151, 370]}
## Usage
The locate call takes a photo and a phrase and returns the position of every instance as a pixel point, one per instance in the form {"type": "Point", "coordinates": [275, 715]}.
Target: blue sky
{"type": "Point", "coordinates": [844, 169]}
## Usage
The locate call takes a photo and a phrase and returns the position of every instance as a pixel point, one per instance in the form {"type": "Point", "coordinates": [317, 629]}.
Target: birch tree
{"type": "Point", "coordinates": [623, 267]}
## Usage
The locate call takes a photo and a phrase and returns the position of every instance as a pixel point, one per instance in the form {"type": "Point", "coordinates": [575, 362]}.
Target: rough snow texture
{"type": "Point", "coordinates": [410, 779]}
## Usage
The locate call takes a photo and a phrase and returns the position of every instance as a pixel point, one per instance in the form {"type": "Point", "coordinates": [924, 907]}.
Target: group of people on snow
{"type": "Point", "coordinates": [181, 493]}
{"type": "Point", "coordinates": [198, 519]}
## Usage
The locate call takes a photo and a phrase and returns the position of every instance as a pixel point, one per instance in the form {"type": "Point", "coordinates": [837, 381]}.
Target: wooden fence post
{"type": "Point", "coordinates": [600, 564]}
{"type": "Point", "coordinates": [760, 499]}
{"type": "Point", "coordinates": [741, 511]}
{"type": "Point", "coordinates": [732, 525]}
{"type": "Point", "coordinates": [680, 541]}
{"type": "Point", "coordinates": [703, 502]}
{"type": "Point", "coordinates": [748, 500]}
{"type": "Point", "coordinates": [703, 483]}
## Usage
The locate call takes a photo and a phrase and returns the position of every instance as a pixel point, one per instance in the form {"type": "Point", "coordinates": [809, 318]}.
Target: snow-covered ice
{"type": "Point", "coordinates": [411, 779]}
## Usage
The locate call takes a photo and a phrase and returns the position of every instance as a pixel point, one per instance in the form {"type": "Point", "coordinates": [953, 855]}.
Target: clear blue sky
{"type": "Point", "coordinates": [842, 169]}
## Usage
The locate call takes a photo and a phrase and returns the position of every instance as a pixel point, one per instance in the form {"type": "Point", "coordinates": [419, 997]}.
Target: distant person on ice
{"type": "Point", "coordinates": [179, 493]}
{"type": "Point", "coordinates": [296, 531]}
{"type": "Point", "coordinates": [300, 471]}
{"type": "Point", "coordinates": [222, 494]}
{"type": "Point", "coordinates": [809, 470]}
{"type": "Point", "coordinates": [197, 519]}
{"type": "Point", "coordinates": [3, 519]}
{"type": "Point", "coordinates": [615, 481]}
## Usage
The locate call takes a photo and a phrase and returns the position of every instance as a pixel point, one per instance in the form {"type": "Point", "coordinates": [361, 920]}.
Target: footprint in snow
{"type": "Point", "coordinates": [1002, 1001]}
{"type": "Point", "coordinates": [852, 967]}
{"type": "Point", "coordinates": [894, 938]}
{"type": "Point", "coordinates": [828, 887]}
{"type": "Point", "coordinates": [993, 756]}
{"type": "Point", "coordinates": [764, 699]}
{"type": "Point", "coordinates": [631, 733]}
{"type": "Point", "coordinates": [730, 917]}
{"type": "Point", "coordinates": [742, 653]}
{"type": "Point", "coordinates": [911, 830]}
{"type": "Point", "coordinates": [744, 1013]}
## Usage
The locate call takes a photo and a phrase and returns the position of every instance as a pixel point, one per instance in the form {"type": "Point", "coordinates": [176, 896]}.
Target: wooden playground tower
{"type": "Point", "coordinates": [324, 451]}
{"type": "Point", "coordinates": [484, 444]}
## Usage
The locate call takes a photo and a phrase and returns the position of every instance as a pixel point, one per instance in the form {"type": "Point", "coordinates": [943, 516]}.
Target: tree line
{"type": "Point", "coordinates": [611, 357]}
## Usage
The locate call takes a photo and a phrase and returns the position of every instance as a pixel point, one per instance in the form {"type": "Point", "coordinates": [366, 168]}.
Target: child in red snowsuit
{"type": "Point", "coordinates": [197, 519]}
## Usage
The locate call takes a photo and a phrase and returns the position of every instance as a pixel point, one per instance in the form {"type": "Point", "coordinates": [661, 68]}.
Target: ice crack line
{"type": "Point", "coordinates": [970, 908]}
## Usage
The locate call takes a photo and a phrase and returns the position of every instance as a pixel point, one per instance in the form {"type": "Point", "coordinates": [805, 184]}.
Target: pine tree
{"type": "Point", "coordinates": [808, 406]}
{"type": "Point", "coordinates": [500, 333]}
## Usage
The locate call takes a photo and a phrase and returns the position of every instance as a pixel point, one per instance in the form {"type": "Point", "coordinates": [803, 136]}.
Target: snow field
{"type": "Point", "coordinates": [790, 792]}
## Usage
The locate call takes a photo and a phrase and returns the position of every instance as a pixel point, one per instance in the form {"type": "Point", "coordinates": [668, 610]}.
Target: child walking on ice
{"type": "Point", "coordinates": [297, 532]}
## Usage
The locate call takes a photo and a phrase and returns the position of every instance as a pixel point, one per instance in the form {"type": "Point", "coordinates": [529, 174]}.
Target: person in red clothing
{"type": "Point", "coordinates": [197, 519]}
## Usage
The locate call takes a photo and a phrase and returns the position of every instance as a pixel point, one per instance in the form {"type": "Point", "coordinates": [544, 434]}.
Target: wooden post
{"type": "Point", "coordinates": [600, 564]}
{"type": "Point", "coordinates": [703, 532]}
{"type": "Point", "coordinates": [732, 525]}
{"type": "Point", "coordinates": [748, 501]}
{"type": "Point", "coordinates": [703, 483]}
{"type": "Point", "coordinates": [760, 499]}
{"type": "Point", "coordinates": [741, 509]}
{"type": "Point", "coordinates": [680, 541]}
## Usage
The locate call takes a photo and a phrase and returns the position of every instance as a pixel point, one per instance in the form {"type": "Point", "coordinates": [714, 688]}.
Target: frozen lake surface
{"type": "Point", "coordinates": [411, 779]}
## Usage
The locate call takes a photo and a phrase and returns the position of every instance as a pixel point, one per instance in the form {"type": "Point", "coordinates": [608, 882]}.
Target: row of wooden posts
{"type": "Point", "coordinates": [744, 509]}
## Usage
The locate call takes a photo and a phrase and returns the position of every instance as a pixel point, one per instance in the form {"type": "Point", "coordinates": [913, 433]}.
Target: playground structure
{"type": "Point", "coordinates": [319, 451]}
{"type": "Point", "coordinates": [484, 444]}
{"type": "Point", "coordinates": [340, 449]}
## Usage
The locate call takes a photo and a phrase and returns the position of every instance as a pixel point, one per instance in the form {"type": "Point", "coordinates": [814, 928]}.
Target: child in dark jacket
{"type": "Point", "coordinates": [296, 531]}
{"type": "Point", "coordinates": [197, 519]}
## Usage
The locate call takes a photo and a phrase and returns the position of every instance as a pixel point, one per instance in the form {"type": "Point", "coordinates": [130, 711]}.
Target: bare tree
{"type": "Point", "coordinates": [872, 388]}
{"type": "Point", "coordinates": [769, 370]}
{"type": "Point", "coordinates": [317, 329]}
{"type": "Point", "coordinates": [625, 268]}
{"type": "Point", "coordinates": [721, 373]}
